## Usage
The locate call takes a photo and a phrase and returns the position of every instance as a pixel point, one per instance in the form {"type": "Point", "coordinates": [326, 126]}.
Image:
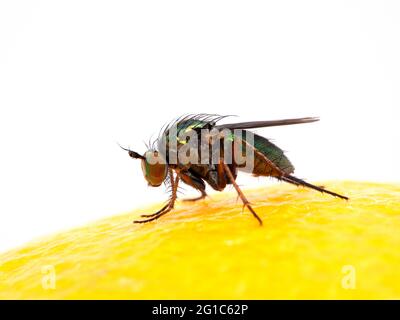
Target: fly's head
{"type": "Point", "coordinates": [154, 167]}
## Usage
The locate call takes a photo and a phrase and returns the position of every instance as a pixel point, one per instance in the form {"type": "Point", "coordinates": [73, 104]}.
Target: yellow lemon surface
{"type": "Point", "coordinates": [311, 246]}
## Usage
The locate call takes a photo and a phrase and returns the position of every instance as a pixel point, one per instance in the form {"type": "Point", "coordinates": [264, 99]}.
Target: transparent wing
{"type": "Point", "coordinates": [268, 123]}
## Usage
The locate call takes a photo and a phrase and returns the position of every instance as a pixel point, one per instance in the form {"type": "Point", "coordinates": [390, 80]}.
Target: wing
{"type": "Point", "coordinates": [268, 123]}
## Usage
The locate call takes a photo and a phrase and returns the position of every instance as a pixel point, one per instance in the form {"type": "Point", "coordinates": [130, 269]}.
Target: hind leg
{"type": "Point", "coordinates": [300, 182]}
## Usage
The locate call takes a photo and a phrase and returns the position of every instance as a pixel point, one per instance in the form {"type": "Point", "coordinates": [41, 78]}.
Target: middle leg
{"type": "Point", "coordinates": [246, 202]}
{"type": "Point", "coordinates": [195, 182]}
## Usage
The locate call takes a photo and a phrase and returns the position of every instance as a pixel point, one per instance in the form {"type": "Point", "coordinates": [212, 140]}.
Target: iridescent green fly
{"type": "Point", "coordinates": [214, 162]}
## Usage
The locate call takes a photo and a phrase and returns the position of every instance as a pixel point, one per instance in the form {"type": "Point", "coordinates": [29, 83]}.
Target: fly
{"type": "Point", "coordinates": [196, 149]}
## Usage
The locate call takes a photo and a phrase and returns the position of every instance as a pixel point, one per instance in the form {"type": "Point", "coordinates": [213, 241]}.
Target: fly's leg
{"type": "Point", "coordinates": [156, 213]}
{"type": "Point", "coordinates": [171, 179]}
{"type": "Point", "coordinates": [168, 207]}
{"type": "Point", "coordinates": [246, 202]}
{"type": "Point", "coordinates": [195, 182]}
{"type": "Point", "coordinates": [300, 182]}
{"type": "Point", "coordinates": [202, 196]}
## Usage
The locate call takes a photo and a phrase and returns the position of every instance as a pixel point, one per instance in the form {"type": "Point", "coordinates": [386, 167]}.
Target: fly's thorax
{"type": "Point", "coordinates": [199, 144]}
{"type": "Point", "coordinates": [154, 168]}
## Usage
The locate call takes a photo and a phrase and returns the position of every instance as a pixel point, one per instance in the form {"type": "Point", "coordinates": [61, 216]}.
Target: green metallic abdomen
{"type": "Point", "coordinates": [270, 151]}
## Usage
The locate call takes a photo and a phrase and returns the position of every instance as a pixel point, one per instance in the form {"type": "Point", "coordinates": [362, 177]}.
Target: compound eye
{"type": "Point", "coordinates": [154, 168]}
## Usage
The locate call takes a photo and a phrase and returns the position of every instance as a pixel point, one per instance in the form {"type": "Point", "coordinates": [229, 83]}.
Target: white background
{"type": "Point", "coordinates": [78, 76]}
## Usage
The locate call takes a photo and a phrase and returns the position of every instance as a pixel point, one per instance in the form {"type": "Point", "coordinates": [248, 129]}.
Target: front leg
{"type": "Point", "coordinates": [169, 206]}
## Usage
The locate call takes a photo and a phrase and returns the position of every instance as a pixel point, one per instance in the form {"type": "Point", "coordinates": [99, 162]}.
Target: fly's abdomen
{"type": "Point", "coordinates": [263, 148]}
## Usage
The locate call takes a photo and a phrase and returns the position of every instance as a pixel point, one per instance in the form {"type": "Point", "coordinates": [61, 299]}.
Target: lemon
{"type": "Point", "coordinates": [311, 246]}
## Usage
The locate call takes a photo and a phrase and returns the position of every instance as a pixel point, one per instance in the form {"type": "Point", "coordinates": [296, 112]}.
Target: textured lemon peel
{"type": "Point", "coordinates": [210, 249]}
